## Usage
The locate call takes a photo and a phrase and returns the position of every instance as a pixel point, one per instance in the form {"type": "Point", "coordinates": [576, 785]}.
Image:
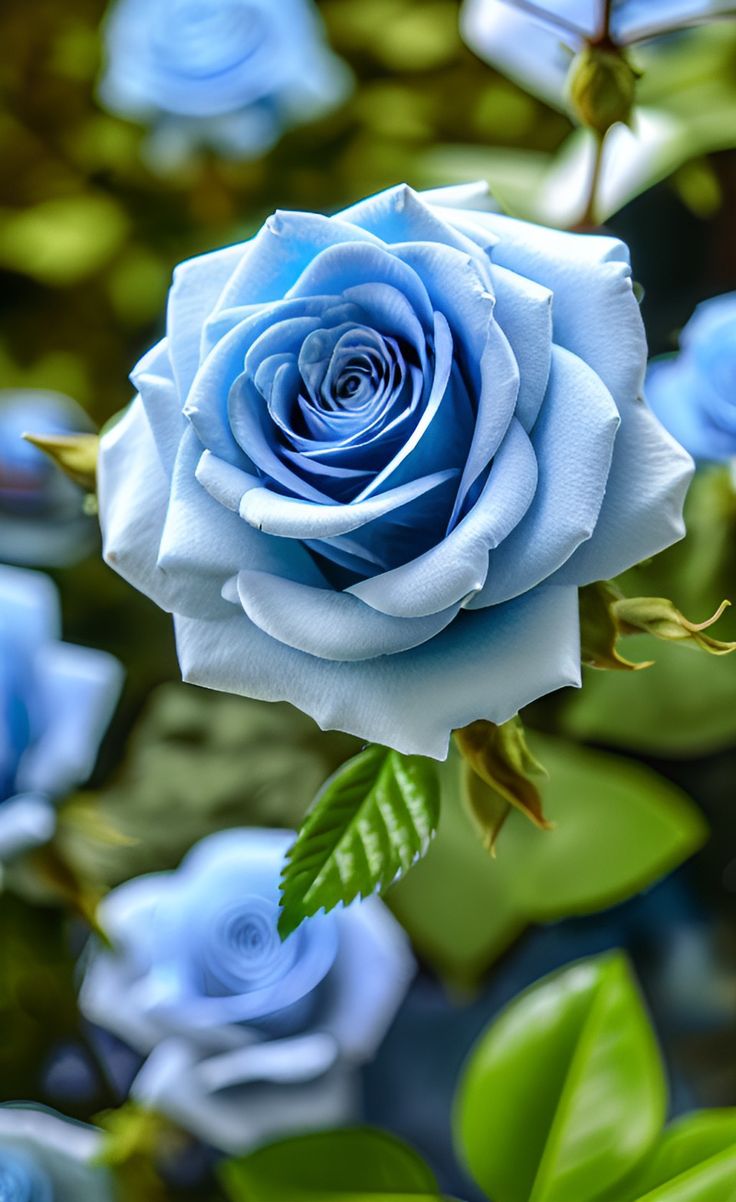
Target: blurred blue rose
{"type": "Point", "coordinates": [42, 523]}
{"type": "Point", "coordinates": [537, 52]}
{"type": "Point", "coordinates": [246, 1036]}
{"type": "Point", "coordinates": [56, 700]}
{"type": "Point", "coordinates": [231, 74]}
{"type": "Point", "coordinates": [47, 1158]}
{"type": "Point", "coordinates": [694, 393]}
{"type": "Point", "coordinates": [376, 455]}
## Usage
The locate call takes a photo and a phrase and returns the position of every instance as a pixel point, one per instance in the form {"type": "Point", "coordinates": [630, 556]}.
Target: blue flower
{"type": "Point", "coordinates": [231, 74]}
{"type": "Point", "coordinates": [536, 49]}
{"type": "Point", "coordinates": [694, 393]}
{"type": "Point", "coordinates": [246, 1035]}
{"type": "Point", "coordinates": [55, 703]}
{"type": "Point", "coordinates": [376, 455]}
{"type": "Point", "coordinates": [47, 1158]}
{"type": "Point", "coordinates": [678, 72]}
{"type": "Point", "coordinates": [42, 522]}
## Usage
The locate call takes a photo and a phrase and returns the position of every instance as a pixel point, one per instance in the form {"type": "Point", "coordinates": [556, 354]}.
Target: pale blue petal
{"type": "Point", "coordinates": [573, 440]}
{"type": "Point", "coordinates": [457, 290]}
{"type": "Point", "coordinates": [674, 390]}
{"type": "Point", "coordinates": [29, 607]}
{"type": "Point", "coordinates": [292, 518]}
{"type": "Point", "coordinates": [26, 821]}
{"type": "Point", "coordinates": [328, 624]}
{"type": "Point", "coordinates": [79, 687]}
{"type": "Point", "coordinates": [524, 313]}
{"type": "Point", "coordinates": [401, 215]}
{"type": "Point", "coordinates": [154, 381]}
{"type": "Point", "coordinates": [201, 563]}
{"type": "Point", "coordinates": [642, 510]}
{"type": "Point", "coordinates": [339, 265]}
{"type": "Point", "coordinates": [534, 55]}
{"type": "Point", "coordinates": [587, 274]}
{"type": "Point", "coordinates": [484, 665]}
{"type": "Point", "coordinates": [281, 251]}
{"type": "Point", "coordinates": [65, 1150]}
{"type": "Point", "coordinates": [175, 1082]}
{"type": "Point", "coordinates": [371, 976]}
{"type": "Point", "coordinates": [457, 566]}
{"type": "Point", "coordinates": [196, 287]}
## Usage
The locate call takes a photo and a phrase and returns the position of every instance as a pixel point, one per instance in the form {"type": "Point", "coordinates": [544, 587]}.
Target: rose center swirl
{"type": "Point", "coordinates": [21, 1181]}
{"type": "Point", "coordinates": [202, 39]}
{"type": "Point", "coordinates": [241, 949]}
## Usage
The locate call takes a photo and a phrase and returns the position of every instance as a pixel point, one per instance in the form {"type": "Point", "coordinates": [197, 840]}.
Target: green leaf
{"type": "Point", "coordinates": [695, 1161]}
{"type": "Point", "coordinates": [565, 1093]}
{"type": "Point", "coordinates": [348, 1166]}
{"type": "Point", "coordinates": [618, 827]}
{"type": "Point", "coordinates": [75, 454]}
{"type": "Point", "coordinates": [370, 822]}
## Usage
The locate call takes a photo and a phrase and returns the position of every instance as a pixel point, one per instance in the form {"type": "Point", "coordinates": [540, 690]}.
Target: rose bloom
{"type": "Point", "coordinates": [246, 1036]}
{"type": "Point", "coordinates": [694, 393]}
{"type": "Point", "coordinates": [56, 700]}
{"type": "Point", "coordinates": [376, 455]}
{"type": "Point", "coordinates": [47, 1158]}
{"type": "Point", "coordinates": [230, 74]}
{"type": "Point", "coordinates": [42, 520]}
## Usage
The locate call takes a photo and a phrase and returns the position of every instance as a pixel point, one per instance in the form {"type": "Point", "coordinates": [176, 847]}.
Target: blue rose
{"type": "Point", "coordinates": [42, 522]}
{"type": "Point", "coordinates": [694, 393]}
{"type": "Point", "coordinates": [56, 700]}
{"type": "Point", "coordinates": [536, 49]}
{"type": "Point", "coordinates": [246, 1035]}
{"type": "Point", "coordinates": [227, 73]}
{"type": "Point", "coordinates": [47, 1158]}
{"type": "Point", "coordinates": [376, 455]}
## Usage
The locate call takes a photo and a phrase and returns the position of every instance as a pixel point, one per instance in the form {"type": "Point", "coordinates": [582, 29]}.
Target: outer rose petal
{"type": "Point", "coordinates": [484, 665]}
{"type": "Point", "coordinates": [590, 279]}
{"type": "Point", "coordinates": [174, 1081]}
{"type": "Point", "coordinates": [642, 510]}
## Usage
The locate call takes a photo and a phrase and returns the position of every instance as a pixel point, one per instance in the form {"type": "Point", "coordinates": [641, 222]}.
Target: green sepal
{"type": "Point", "coordinates": [75, 454]}
{"type": "Point", "coordinates": [601, 87]}
{"type": "Point", "coordinates": [372, 819]}
{"type": "Point", "coordinates": [659, 617]}
{"type": "Point", "coordinates": [599, 631]}
{"type": "Point", "coordinates": [500, 757]}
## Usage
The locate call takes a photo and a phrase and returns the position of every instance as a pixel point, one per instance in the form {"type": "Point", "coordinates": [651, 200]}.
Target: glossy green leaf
{"type": "Point", "coordinates": [695, 1161]}
{"type": "Point", "coordinates": [347, 1166]}
{"type": "Point", "coordinates": [565, 1092]}
{"type": "Point", "coordinates": [617, 826]}
{"type": "Point", "coordinates": [370, 822]}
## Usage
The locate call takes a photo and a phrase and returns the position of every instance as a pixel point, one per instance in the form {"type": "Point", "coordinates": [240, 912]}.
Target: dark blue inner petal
{"type": "Point", "coordinates": [350, 392]}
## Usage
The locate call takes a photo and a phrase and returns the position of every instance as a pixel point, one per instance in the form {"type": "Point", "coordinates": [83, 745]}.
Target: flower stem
{"type": "Point", "coordinates": [589, 216]}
